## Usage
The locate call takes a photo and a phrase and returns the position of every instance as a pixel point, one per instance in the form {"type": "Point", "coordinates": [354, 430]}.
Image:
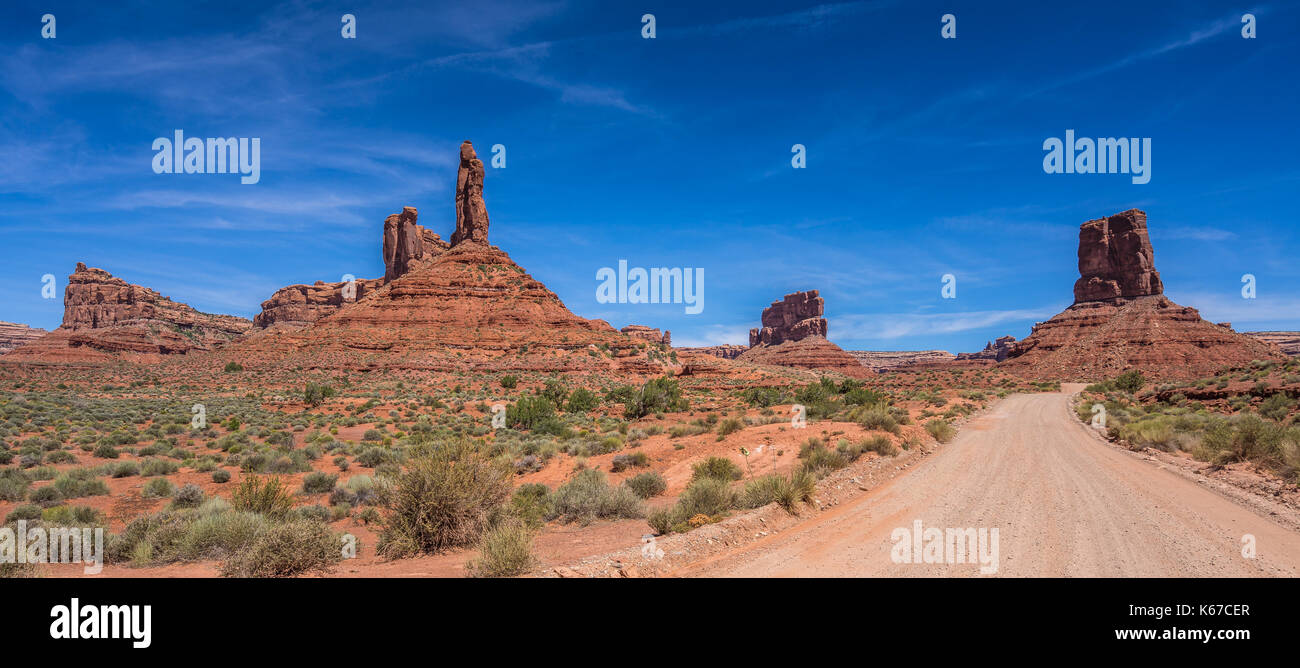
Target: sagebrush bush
{"type": "Point", "coordinates": [268, 496]}
{"type": "Point", "coordinates": [941, 430]}
{"type": "Point", "coordinates": [646, 485]}
{"type": "Point", "coordinates": [317, 482]}
{"type": "Point", "coordinates": [444, 500]}
{"type": "Point", "coordinates": [286, 549]}
{"type": "Point", "coordinates": [588, 496]}
{"type": "Point", "coordinates": [717, 468]}
{"type": "Point", "coordinates": [505, 550]}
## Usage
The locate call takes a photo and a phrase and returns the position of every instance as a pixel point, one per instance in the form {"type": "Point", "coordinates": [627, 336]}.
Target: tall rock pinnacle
{"type": "Point", "coordinates": [471, 211]}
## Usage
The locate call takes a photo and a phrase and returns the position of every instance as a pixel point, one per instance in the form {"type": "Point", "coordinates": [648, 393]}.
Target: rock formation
{"type": "Point", "coordinates": [1288, 342]}
{"type": "Point", "coordinates": [726, 351]}
{"type": "Point", "coordinates": [793, 318]}
{"type": "Point", "coordinates": [104, 315]}
{"type": "Point", "coordinates": [648, 334]}
{"type": "Point", "coordinates": [458, 307]}
{"type": "Point", "coordinates": [1121, 320]}
{"type": "Point", "coordinates": [471, 211]}
{"type": "Point", "coordinates": [300, 305]}
{"type": "Point", "coordinates": [406, 245]}
{"type": "Point", "coordinates": [794, 334]}
{"type": "Point", "coordinates": [13, 335]}
{"type": "Point", "coordinates": [884, 360]}
{"type": "Point", "coordinates": [994, 351]}
{"type": "Point", "coordinates": [1116, 259]}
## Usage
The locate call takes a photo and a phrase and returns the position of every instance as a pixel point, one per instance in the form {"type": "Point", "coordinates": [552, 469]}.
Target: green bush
{"type": "Point", "coordinates": [319, 483]}
{"type": "Point", "coordinates": [1130, 381]}
{"type": "Point", "coordinates": [659, 395]}
{"type": "Point", "coordinates": [646, 485]}
{"type": "Point", "coordinates": [588, 496]}
{"type": "Point", "coordinates": [717, 468]}
{"type": "Point", "coordinates": [220, 476]}
{"type": "Point", "coordinates": [582, 400]}
{"type": "Point", "coordinates": [529, 411]}
{"type": "Point", "coordinates": [158, 488]}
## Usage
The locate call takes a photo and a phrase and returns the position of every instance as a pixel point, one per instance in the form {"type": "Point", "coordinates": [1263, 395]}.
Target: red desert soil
{"type": "Point", "coordinates": [1065, 503]}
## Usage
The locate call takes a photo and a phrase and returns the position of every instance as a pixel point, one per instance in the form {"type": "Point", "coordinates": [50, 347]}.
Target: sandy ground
{"type": "Point", "coordinates": [1064, 502]}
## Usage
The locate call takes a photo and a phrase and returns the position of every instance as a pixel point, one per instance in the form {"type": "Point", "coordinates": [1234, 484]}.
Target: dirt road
{"type": "Point", "coordinates": [1063, 502]}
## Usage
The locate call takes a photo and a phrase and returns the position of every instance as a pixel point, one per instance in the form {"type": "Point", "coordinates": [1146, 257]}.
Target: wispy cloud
{"type": "Point", "coordinates": [899, 325]}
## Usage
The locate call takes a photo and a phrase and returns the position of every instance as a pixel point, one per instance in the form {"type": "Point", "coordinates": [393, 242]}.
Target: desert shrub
{"type": "Point", "coordinates": [286, 549]}
{"type": "Point", "coordinates": [233, 367]}
{"type": "Point", "coordinates": [1130, 381]}
{"type": "Point", "coordinates": [505, 550]}
{"type": "Point", "coordinates": [158, 488]}
{"type": "Point", "coordinates": [107, 452]}
{"type": "Point", "coordinates": [789, 491]}
{"type": "Point", "coordinates": [531, 503]}
{"type": "Point", "coordinates": [314, 395]}
{"type": "Point", "coordinates": [530, 411]}
{"type": "Point", "coordinates": [761, 397]}
{"type": "Point", "coordinates": [77, 483]}
{"type": "Point", "coordinates": [1276, 407]}
{"type": "Point", "coordinates": [875, 417]}
{"type": "Point", "coordinates": [708, 498]}
{"type": "Point", "coordinates": [646, 485]}
{"type": "Point", "coordinates": [879, 444]}
{"type": "Point", "coordinates": [444, 500]}
{"type": "Point", "coordinates": [509, 382]}
{"type": "Point", "coordinates": [13, 485]}
{"type": "Point", "coordinates": [582, 400]}
{"type": "Point", "coordinates": [658, 395]}
{"type": "Point", "coordinates": [717, 468]}
{"type": "Point", "coordinates": [622, 463]}
{"type": "Point", "coordinates": [941, 430]}
{"type": "Point", "coordinates": [218, 535]}
{"type": "Point", "coordinates": [157, 467]}
{"type": "Point", "coordinates": [372, 457]}
{"type": "Point", "coordinates": [730, 426]}
{"type": "Point", "coordinates": [45, 496]}
{"type": "Point", "coordinates": [268, 496]}
{"type": "Point", "coordinates": [318, 483]}
{"type": "Point", "coordinates": [26, 512]}
{"type": "Point", "coordinates": [587, 496]}
{"type": "Point", "coordinates": [220, 476]}
{"type": "Point", "coordinates": [124, 469]}
{"type": "Point", "coordinates": [188, 496]}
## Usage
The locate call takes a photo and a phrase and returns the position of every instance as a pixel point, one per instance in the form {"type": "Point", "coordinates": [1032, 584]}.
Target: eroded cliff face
{"type": "Point", "coordinates": [13, 335]}
{"type": "Point", "coordinates": [1116, 259]}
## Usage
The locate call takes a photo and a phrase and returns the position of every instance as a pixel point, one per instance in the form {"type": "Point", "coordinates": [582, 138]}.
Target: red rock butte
{"type": "Point", "coordinates": [443, 306]}
{"type": "Point", "coordinates": [1121, 320]}
{"type": "Point", "coordinates": [105, 318]}
{"type": "Point", "coordinates": [794, 335]}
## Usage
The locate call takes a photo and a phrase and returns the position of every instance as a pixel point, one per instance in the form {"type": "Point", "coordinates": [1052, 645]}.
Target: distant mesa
{"type": "Point", "coordinates": [727, 351]}
{"type": "Point", "coordinates": [1121, 320]}
{"type": "Point", "coordinates": [649, 334]}
{"type": "Point", "coordinates": [794, 334]}
{"type": "Point", "coordinates": [104, 317]}
{"type": "Point", "coordinates": [1288, 342]}
{"type": "Point", "coordinates": [13, 335]}
{"type": "Point", "coordinates": [994, 351]}
{"type": "Point", "coordinates": [881, 361]}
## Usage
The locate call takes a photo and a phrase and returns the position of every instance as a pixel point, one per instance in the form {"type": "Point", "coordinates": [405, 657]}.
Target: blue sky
{"type": "Point", "coordinates": [924, 155]}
